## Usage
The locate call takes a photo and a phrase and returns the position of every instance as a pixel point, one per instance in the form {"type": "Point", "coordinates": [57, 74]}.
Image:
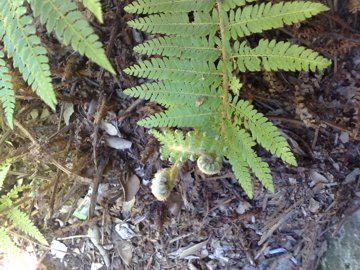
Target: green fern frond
{"type": "Point", "coordinates": [22, 222]}
{"type": "Point", "coordinates": [203, 24]}
{"type": "Point", "coordinates": [25, 47]}
{"type": "Point", "coordinates": [258, 18]}
{"type": "Point", "coordinates": [163, 93]}
{"type": "Point", "coordinates": [273, 56]}
{"type": "Point", "coordinates": [201, 48]}
{"type": "Point", "coordinates": [21, 43]}
{"type": "Point", "coordinates": [7, 94]}
{"type": "Point", "coordinates": [72, 28]}
{"type": "Point", "coordinates": [157, 6]}
{"type": "Point", "coordinates": [197, 80]}
{"type": "Point", "coordinates": [7, 245]}
{"type": "Point", "coordinates": [263, 131]}
{"type": "Point", "coordinates": [95, 7]}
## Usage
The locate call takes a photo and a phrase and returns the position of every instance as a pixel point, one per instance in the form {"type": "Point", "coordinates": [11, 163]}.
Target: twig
{"type": "Point", "coordinates": [301, 123]}
{"type": "Point", "coordinates": [22, 175]}
{"type": "Point", "coordinates": [5, 136]}
{"type": "Point", "coordinates": [243, 244]}
{"type": "Point", "coordinates": [74, 227]}
{"type": "Point", "coordinates": [127, 112]}
{"type": "Point", "coordinates": [227, 175]}
{"type": "Point", "coordinates": [73, 237]}
{"type": "Point", "coordinates": [103, 162]}
{"type": "Point", "coordinates": [271, 226]}
{"type": "Point", "coordinates": [94, 234]}
{"type": "Point", "coordinates": [339, 21]}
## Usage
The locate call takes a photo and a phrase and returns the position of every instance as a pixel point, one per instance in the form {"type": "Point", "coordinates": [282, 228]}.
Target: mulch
{"type": "Point", "coordinates": [208, 222]}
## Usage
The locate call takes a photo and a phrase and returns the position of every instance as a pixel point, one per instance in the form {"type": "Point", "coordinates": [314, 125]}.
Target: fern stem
{"type": "Point", "coordinates": [225, 59]}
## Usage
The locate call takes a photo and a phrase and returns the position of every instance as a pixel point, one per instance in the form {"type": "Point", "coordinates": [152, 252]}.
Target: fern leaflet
{"type": "Point", "coordinates": [163, 93]}
{"type": "Point", "coordinates": [176, 117]}
{"type": "Point", "coordinates": [273, 56]}
{"type": "Point", "coordinates": [166, 23]}
{"type": "Point", "coordinates": [157, 6]}
{"type": "Point", "coordinates": [231, 4]}
{"type": "Point", "coordinates": [176, 70]}
{"type": "Point", "coordinates": [265, 16]}
{"type": "Point", "coordinates": [263, 131]}
{"type": "Point", "coordinates": [203, 48]}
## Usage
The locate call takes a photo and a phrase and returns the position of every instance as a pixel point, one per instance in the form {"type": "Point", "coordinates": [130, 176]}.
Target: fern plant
{"type": "Point", "coordinates": [203, 47]}
{"type": "Point", "coordinates": [14, 215]}
{"type": "Point", "coordinates": [21, 43]}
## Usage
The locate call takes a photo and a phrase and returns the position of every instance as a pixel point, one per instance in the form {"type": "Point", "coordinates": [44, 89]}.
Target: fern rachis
{"type": "Point", "coordinates": [202, 48]}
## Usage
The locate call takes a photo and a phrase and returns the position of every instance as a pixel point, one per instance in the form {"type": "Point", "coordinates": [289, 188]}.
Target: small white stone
{"type": "Point", "coordinates": [344, 137]}
{"type": "Point", "coordinates": [58, 249]}
{"type": "Point", "coordinates": [292, 180]}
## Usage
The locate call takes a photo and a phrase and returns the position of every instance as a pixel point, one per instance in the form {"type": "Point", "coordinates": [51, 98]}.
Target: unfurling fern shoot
{"type": "Point", "coordinates": [163, 182]}
{"type": "Point", "coordinates": [202, 44]}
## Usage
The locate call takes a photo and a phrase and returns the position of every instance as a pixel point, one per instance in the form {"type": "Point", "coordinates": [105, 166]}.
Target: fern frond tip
{"type": "Point", "coordinates": [95, 7]}
{"type": "Point", "coordinates": [23, 223]}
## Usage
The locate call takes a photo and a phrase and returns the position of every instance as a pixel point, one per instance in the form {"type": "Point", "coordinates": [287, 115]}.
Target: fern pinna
{"type": "Point", "coordinates": [18, 33]}
{"type": "Point", "coordinates": [203, 44]}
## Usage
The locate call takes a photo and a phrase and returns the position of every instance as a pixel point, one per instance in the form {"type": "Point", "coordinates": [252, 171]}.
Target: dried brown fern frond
{"type": "Point", "coordinates": [353, 6]}
{"type": "Point", "coordinates": [338, 48]}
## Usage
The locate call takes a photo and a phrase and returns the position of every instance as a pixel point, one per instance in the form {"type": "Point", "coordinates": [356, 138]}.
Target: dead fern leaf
{"type": "Point", "coordinates": [353, 6]}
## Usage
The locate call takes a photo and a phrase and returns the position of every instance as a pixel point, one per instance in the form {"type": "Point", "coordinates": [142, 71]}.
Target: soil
{"type": "Point", "coordinates": [208, 222]}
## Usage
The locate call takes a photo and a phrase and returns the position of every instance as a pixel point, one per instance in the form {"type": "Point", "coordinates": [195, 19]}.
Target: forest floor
{"type": "Point", "coordinates": [208, 222]}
